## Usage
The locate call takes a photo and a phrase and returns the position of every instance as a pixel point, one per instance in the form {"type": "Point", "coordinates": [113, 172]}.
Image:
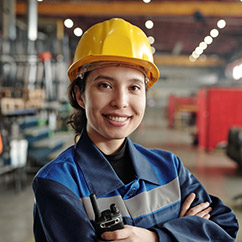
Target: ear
{"type": "Point", "coordinates": [79, 97]}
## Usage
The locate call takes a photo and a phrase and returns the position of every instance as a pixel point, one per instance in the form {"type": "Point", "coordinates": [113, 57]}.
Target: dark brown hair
{"type": "Point", "coordinates": [78, 119]}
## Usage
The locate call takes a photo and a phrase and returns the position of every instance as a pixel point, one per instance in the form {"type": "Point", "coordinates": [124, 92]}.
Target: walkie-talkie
{"type": "Point", "coordinates": [107, 220]}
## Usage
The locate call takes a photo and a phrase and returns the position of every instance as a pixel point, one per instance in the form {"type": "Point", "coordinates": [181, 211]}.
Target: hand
{"type": "Point", "coordinates": [130, 234]}
{"type": "Point", "coordinates": [202, 210]}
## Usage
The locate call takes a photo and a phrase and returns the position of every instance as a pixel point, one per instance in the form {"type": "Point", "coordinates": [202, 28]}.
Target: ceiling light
{"type": "Point", "coordinates": [208, 40]}
{"type": "Point", "coordinates": [40, 0]}
{"type": "Point", "coordinates": [192, 59]}
{"type": "Point", "coordinates": [203, 45]}
{"type": "Point", "coordinates": [195, 54]}
{"type": "Point", "coordinates": [151, 40]}
{"type": "Point", "coordinates": [214, 33]}
{"type": "Point", "coordinates": [237, 72]}
{"type": "Point", "coordinates": [149, 24]}
{"type": "Point", "coordinates": [153, 50]}
{"type": "Point", "coordinates": [78, 32]}
{"type": "Point", "coordinates": [146, 1]}
{"type": "Point", "coordinates": [199, 50]}
{"type": "Point", "coordinates": [68, 23]}
{"type": "Point", "coordinates": [221, 23]}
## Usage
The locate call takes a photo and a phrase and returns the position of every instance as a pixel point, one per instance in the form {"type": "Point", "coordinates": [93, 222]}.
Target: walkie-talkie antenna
{"type": "Point", "coordinates": [95, 206]}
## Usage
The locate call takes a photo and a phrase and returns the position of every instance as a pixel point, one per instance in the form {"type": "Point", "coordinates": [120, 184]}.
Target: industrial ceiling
{"type": "Point", "coordinates": [179, 26]}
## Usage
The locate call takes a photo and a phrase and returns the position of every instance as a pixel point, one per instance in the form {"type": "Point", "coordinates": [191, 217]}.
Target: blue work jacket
{"type": "Point", "coordinates": [63, 210]}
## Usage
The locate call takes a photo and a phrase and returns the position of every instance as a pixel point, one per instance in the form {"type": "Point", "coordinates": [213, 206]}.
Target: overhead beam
{"type": "Point", "coordinates": [170, 60]}
{"type": "Point", "coordinates": [124, 8]}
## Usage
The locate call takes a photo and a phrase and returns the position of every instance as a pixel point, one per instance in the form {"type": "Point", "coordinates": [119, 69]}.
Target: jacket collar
{"type": "Point", "coordinates": [99, 174]}
{"type": "Point", "coordinates": [142, 165]}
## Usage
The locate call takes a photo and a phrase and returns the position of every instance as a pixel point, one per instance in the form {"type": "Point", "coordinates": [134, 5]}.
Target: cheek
{"type": "Point", "coordinates": [94, 103]}
{"type": "Point", "coordinates": [140, 105]}
{"type": "Point", "coordinates": [143, 107]}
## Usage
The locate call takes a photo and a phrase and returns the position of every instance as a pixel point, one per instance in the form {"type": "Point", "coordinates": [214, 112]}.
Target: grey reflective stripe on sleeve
{"type": "Point", "coordinates": [142, 204]}
{"type": "Point", "coordinates": [156, 199]}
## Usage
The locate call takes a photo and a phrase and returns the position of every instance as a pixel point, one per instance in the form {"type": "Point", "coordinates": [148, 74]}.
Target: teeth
{"type": "Point", "coordinates": [117, 119]}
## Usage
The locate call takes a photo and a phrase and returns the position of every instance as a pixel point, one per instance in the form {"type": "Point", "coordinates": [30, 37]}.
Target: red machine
{"type": "Point", "coordinates": [219, 109]}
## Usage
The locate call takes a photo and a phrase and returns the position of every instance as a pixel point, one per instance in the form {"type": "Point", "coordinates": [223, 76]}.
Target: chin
{"type": "Point", "coordinates": [119, 136]}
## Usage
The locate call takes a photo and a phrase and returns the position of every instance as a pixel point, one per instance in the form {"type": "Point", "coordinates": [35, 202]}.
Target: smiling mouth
{"type": "Point", "coordinates": [117, 119]}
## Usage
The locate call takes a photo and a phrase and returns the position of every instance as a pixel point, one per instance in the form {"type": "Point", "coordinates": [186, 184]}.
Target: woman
{"type": "Point", "coordinates": [111, 72]}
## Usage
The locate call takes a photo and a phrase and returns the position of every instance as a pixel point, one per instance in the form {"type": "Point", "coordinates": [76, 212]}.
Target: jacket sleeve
{"type": "Point", "coordinates": [59, 214]}
{"type": "Point", "coordinates": [222, 225]}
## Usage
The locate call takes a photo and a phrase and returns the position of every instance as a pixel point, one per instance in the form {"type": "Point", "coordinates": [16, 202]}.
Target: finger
{"type": "Point", "coordinates": [109, 236]}
{"type": "Point", "coordinates": [204, 212]}
{"type": "Point", "coordinates": [197, 209]}
{"type": "Point", "coordinates": [187, 204]}
{"type": "Point", "coordinates": [207, 216]}
{"type": "Point", "coordinates": [116, 234]}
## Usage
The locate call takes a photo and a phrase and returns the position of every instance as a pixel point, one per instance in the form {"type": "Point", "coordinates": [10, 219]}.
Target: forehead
{"type": "Point", "coordinates": [117, 72]}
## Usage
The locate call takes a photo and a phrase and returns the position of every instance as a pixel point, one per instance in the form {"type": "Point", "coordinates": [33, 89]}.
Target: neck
{"type": "Point", "coordinates": [107, 146]}
{"type": "Point", "coordinates": [111, 147]}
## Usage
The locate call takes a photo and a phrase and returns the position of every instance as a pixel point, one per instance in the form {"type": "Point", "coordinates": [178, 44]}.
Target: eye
{"type": "Point", "coordinates": [104, 85]}
{"type": "Point", "coordinates": [135, 88]}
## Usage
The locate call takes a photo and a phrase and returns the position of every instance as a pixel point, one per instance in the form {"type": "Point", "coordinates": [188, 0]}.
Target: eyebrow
{"type": "Point", "coordinates": [113, 79]}
{"type": "Point", "coordinates": [104, 77]}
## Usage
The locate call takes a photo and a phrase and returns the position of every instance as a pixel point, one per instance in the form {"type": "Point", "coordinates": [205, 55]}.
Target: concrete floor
{"type": "Point", "coordinates": [216, 171]}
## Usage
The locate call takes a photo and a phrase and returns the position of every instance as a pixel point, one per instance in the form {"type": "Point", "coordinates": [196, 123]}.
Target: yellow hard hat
{"type": "Point", "coordinates": [114, 40]}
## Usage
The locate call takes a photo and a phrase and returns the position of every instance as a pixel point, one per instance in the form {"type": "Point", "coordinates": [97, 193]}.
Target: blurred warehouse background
{"type": "Point", "coordinates": [194, 110]}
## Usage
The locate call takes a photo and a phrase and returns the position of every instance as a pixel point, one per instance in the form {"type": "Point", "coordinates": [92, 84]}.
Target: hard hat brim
{"type": "Point", "coordinates": [153, 72]}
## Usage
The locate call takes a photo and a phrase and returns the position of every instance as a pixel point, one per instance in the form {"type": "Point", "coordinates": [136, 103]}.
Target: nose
{"type": "Point", "coordinates": [120, 99]}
